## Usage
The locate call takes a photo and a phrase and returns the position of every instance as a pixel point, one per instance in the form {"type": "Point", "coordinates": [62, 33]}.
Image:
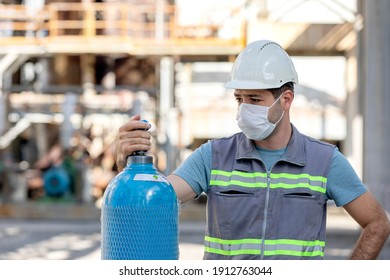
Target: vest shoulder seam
{"type": "Point", "coordinates": [323, 143]}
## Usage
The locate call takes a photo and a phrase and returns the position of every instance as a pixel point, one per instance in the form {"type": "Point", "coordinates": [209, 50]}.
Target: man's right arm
{"type": "Point", "coordinates": [183, 190]}
{"type": "Point", "coordinates": [133, 136]}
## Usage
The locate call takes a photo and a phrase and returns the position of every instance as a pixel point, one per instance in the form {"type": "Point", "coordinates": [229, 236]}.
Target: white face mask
{"type": "Point", "coordinates": [253, 120]}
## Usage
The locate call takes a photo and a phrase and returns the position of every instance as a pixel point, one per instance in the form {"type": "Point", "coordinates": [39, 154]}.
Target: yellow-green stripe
{"type": "Point", "coordinates": [271, 247]}
{"type": "Point", "coordinates": [233, 241]}
{"type": "Point", "coordinates": [284, 185]}
{"type": "Point", "coordinates": [299, 176]}
{"type": "Point", "coordinates": [232, 253]}
{"type": "Point", "coordinates": [238, 173]}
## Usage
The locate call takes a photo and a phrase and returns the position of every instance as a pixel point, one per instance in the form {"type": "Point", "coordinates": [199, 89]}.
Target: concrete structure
{"type": "Point", "coordinates": [374, 50]}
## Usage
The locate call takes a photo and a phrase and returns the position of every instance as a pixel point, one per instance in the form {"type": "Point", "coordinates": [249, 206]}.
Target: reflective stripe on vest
{"type": "Point", "coordinates": [279, 180]}
{"type": "Point", "coordinates": [251, 246]}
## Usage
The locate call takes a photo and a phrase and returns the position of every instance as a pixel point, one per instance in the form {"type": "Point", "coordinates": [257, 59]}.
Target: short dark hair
{"type": "Point", "coordinates": [276, 92]}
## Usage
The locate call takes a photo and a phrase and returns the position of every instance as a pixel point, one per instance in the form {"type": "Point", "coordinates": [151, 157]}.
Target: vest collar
{"type": "Point", "coordinates": [295, 152]}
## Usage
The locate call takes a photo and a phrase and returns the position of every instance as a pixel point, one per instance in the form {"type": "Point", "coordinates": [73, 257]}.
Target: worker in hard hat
{"type": "Point", "coordinates": [268, 186]}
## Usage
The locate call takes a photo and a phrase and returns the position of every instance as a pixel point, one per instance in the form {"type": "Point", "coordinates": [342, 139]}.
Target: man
{"type": "Point", "coordinates": [267, 187]}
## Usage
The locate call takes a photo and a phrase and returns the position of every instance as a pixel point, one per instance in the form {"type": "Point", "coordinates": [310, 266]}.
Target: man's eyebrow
{"type": "Point", "coordinates": [248, 95]}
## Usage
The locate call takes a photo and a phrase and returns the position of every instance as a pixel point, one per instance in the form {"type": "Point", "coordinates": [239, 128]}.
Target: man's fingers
{"type": "Point", "coordinates": [135, 118]}
{"type": "Point", "coordinates": [134, 125]}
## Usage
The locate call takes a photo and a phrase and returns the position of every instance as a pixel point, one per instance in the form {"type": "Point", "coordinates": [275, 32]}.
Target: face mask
{"type": "Point", "coordinates": [253, 120]}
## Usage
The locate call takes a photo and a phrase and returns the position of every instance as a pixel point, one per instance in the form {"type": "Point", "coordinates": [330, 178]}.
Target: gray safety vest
{"type": "Point", "coordinates": [255, 214]}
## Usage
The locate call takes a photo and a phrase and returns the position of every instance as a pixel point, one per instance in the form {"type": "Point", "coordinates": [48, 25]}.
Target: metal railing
{"type": "Point", "coordinates": [77, 22]}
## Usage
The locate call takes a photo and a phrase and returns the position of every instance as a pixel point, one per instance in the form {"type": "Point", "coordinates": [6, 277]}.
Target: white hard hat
{"type": "Point", "coordinates": [262, 65]}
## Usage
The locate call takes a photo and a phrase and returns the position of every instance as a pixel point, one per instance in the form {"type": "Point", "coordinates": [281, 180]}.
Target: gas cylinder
{"type": "Point", "coordinates": [139, 215]}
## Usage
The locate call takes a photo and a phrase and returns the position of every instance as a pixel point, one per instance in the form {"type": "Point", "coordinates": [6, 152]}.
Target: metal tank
{"type": "Point", "coordinates": [139, 217]}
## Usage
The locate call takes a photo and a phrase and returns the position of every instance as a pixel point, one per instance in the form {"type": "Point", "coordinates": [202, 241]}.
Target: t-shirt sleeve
{"type": "Point", "coordinates": [195, 169]}
{"type": "Point", "coordinates": [343, 184]}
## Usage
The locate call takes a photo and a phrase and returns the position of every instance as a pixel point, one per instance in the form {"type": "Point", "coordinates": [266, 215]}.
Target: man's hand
{"type": "Point", "coordinates": [133, 136]}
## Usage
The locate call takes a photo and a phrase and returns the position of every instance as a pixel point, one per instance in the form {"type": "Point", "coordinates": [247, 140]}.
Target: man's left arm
{"type": "Point", "coordinates": [369, 214]}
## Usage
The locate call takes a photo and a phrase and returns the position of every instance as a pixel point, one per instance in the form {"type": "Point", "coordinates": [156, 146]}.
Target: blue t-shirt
{"type": "Point", "coordinates": [343, 184]}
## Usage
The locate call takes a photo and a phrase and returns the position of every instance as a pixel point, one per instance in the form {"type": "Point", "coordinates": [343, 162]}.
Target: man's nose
{"type": "Point", "coordinates": [246, 100]}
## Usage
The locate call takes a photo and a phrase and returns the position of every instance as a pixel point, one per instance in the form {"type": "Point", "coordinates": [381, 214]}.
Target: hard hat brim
{"type": "Point", "coordinates": [250, 85]}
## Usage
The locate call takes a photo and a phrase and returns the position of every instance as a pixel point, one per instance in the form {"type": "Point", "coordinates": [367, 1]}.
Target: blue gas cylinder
{"type": "Point", "coordinates": [139, 215]}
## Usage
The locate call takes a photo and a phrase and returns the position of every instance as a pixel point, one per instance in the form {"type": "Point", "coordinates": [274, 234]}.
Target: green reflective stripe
{"type": "Point", "coordinates": [238, 183]}
{"type": "Point", "coordinates": [298, 185]}
{"type": "Point", "coordinates": [238, 173]}
{"type": "Point", "coordinates": [238, 178]}
{"type": "Point", "coordinates": [250, 246]}
{"type": "Point", "coordinates": [299, 176]}
{"type": "Point", "coordinates": [279, 180]}
{"type": "Point", "coordinates": [292, 247]}
{"type": "Point", "coordinates": [304, 180]}
{"type": "Point", "coordinates": [232, 241]}
{"type": "Point", "coordinates": [295, 242]}
{"type": "Point", "coordinates": [232, 253]}
{"type": "Point", "coordinates": [294, 253]}
{"type": "Point", "coordinates": [246, 246]}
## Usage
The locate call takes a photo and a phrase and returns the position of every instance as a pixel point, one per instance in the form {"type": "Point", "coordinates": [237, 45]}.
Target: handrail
{"type": "Point", "coordinates": [128, 22]}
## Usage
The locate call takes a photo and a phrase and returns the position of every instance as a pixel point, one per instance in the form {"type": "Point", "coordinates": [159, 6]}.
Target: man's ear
{"type": "Point", "coordinates": [287, 99]}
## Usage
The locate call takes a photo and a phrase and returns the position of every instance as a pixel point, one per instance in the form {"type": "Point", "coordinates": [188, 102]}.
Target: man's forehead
{"type": "Point", "coordinates": [252, 92]}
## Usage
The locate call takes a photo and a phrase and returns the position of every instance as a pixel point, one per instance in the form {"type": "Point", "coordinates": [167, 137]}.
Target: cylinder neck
{"type": "Point", "coordinates": [139, 159]}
